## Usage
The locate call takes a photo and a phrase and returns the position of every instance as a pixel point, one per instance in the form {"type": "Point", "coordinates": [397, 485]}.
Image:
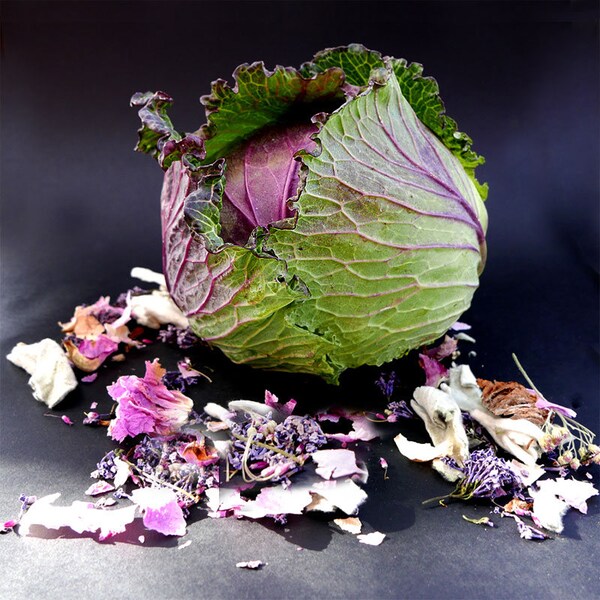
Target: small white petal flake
{"type": "Point", "coordinates": [416, 451]}
{"type": "Point", "coordinates": [52, 376]}
{"type": "Point", "coordinates": [250, 564]}
{"type": "Point", "coordinates": [372, 539]}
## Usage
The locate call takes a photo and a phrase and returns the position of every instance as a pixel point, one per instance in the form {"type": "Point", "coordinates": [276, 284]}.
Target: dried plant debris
{"type": "Point", "coordinates": [100, 333]}
{"type": "Point", "coordinates": [251, 564]}
{"type": "Point", "coordinates": [512, 400]}
{"type": "Point", "coordinates": [499, 442]}
{"type": "Point", "coordinates": [52, 376]}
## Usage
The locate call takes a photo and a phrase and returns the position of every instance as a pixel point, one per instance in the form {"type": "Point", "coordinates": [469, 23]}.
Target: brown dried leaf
{"type": "Point", "coordinates": [512, 400]}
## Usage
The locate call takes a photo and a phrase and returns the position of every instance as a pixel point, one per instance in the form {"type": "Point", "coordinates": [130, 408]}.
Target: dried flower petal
{"type": "Point", "coordinates": [250, 564]}
{"type": "Point", "coordinates": [275, 501]}
{"type": "Point", "coordinates": [362, 429]}
{"type": "Point", "coordinates": [349, 524]}
{"type": "Point", "coordinates": [548, 510]}
{"type": "Point", "coordinates": [434, 370]}
{"type": "Point", "coordinates": [574, 493]}
{"type": "Point", "coordinates": [341, 493]}
{"type": "Point", "coordinates": [145, 405]}
{"type": "Point", "coordinates": [443, 350]}
{"type": "Point", "coordinates": [52, 377]}
{"type": "Point", "coordinates": [335, 463]}
{"type": "Point", "coordinates": [161, 510]}
{"type": "Point", "coordinates": [418, 452]}
{"type": "Point", "coordinates": [155, 309]}
{"type": "Point", "coordinates": [80, 517]}
{"type": "Point", "coordinates": [443, 421]}
{"type": "Point", "coordinates": [100, 487]}
{"type": "Point", "coordinates": [372, 539]}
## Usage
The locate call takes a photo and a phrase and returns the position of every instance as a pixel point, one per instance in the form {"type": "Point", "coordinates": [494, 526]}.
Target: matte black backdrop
{"type": "Point", "coordinates": [79, 209]}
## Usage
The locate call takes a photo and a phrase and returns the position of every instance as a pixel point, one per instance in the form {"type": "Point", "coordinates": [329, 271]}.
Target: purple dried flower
{"type": "Point", "coordinates": [174, 380]}
{"type": "Point", "coordinates": [106, 468]}
{"type": "Point", "coordinates": [485, 476]}
{"type": "Point", "coordinates": [274, 450]}
{"type": "Point", "coordinates": [183, 462]}
{"type": "Point", "coordinates": [176, 336]}
{"type": "Point", "coordinates": [399, 410]}
{"type": "Point", "coordinates": [108, 314]}
{"type": "Point", "coordinates": [386, 384]}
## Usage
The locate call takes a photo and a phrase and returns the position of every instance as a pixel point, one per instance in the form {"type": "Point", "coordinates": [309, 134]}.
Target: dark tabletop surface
{"type": "Point", "coordinates": [80, 208]}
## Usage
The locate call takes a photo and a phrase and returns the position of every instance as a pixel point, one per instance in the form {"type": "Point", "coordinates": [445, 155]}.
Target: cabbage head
{"type": "Point", "coordinates": [321, 218]}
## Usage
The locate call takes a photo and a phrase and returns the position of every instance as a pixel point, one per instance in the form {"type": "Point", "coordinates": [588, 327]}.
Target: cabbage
{"type": "Point", "coordinates": [322, 218]}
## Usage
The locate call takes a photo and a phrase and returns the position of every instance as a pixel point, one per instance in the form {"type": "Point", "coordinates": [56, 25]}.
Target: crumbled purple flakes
{"type": "Point", "coordinates": [274, 450]}
{"type": "Point", "coordinates": [174, 380]}
{"type": "Point", "coordinates": [168, 460]}
{"type": "Point", "coordinates": [176, 336]}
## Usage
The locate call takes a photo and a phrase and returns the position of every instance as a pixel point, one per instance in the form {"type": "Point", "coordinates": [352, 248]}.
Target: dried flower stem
{"type": "Point", "coordinates": [159, 482]}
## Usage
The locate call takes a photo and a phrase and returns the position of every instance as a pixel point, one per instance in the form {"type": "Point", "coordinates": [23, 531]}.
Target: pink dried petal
{"type": "Point", "coordinates": [89, 378]}
{"type": "Point", "coordinates": [362, 430]}
{"type": "Point", "coordinates": [544, 404]}
{"type": "Point", "coordinates": [458, 326]}
{"type": "Point", "coordinates": [276, 500]}
{"type": "Point", "coordinates": [161, 510]}
{"type": "Point", "coordinates": [145, 405]}
{"type": "Point", "coordinates": [273, 401]}
{"type": "Point", "coordinates": [66, 420]}
{"type": "Point", "coordinates": [8, 525]}
{"type": "Point", "coordinates": [100, 487]}
{"type": "Point", "coordinates": [100, 348]}
{"type": "Point", "coordinates": [442, 350]}
{"type": "Point", "coordinates": [434, 371]}
{"type": "Point", "coordinates": [335, 463]}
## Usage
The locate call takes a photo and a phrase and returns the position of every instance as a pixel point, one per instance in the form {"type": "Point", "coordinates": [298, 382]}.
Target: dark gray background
{"type": "Point", "coordinates": [79, 209]}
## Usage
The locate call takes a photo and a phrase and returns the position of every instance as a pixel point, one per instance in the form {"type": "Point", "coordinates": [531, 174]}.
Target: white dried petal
{"type": "Point", "coordinates": [443, 421]}
{"type": "Point", "coordinates": [416, 451]}
{"type": "Point", "coordinates": [574, 493]}
{"type": "Point", "coordinates": [372, 539]}
{"type": "Point", "coordinates": [548, 510]}
{"type": "Point", "coordinates": [446, 471]}
{"type": "Point", "coordinates": [149, 276]}
{"type": "Point", "coordinates": [52, 376]}
{"type": "Point", "coordinates": [156, 309]}
{"type": "Point", "coordinates": [463, 388]}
